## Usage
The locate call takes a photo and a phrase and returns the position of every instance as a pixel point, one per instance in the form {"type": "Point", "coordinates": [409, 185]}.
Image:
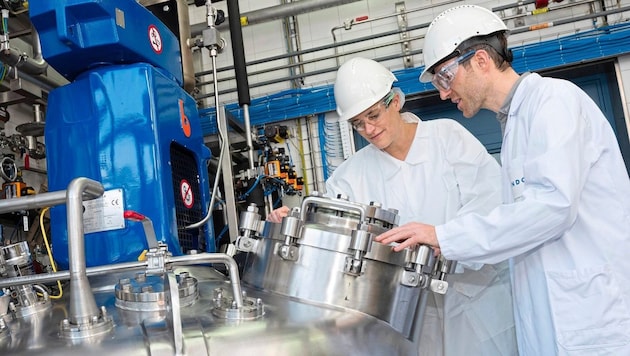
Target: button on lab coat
{"type": "Point", "coordinates": [447, 173]}
{"type": "Point", "coordinates": [565, 224]}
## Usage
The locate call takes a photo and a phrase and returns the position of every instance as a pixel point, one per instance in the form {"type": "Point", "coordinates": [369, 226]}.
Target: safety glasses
{"type": "Point", "coordinates": [444, 77]}
{"type": "Point", "coordinates": [373, 115]}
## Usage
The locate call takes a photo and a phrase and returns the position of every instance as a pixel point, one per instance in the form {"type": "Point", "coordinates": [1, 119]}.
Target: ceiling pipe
{"type": "Point", "coordinates": [276, 13]}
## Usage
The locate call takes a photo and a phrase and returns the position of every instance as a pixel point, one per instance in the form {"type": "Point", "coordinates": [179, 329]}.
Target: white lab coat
{"type": "Point", "coordinates": [565, 224]}
{"type": "Point", "coordinates": [447, 173]}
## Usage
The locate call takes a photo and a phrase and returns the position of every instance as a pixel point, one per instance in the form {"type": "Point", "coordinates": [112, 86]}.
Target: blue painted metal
{"type": "Point", "coordinates": [124, 121]}
{"type": "Point", "coordinates": [78, 35]}
{"type": "Point", "coordinates": [117, 125]}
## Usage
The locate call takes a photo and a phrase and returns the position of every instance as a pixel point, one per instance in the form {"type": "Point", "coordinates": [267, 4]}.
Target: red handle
{"type": "Point", "coordinates": [132, 215]}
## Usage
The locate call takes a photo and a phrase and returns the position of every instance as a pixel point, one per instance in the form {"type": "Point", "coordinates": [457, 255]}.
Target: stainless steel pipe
{"type": "Point", "coordinates": [82, 303]}
{"type": "Point", "coordinates": [223, 258]}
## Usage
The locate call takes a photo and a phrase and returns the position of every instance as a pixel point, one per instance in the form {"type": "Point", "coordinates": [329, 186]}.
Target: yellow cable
{"type": "Point", "coordinates": [52, 262]}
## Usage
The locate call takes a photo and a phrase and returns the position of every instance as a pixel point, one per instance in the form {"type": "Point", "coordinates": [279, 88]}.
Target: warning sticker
{"type": "Point", "coordinates": [187, 193]}
{"type": "Point", "coordinates": [155, 38]}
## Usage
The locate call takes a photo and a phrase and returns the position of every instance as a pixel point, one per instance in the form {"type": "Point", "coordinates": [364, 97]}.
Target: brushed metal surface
{"type": "Point", "coordinates": [290, 326]}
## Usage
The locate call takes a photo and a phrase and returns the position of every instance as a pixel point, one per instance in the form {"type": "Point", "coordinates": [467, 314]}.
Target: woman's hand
{"type": "Point", "coordinates": [276, 215]}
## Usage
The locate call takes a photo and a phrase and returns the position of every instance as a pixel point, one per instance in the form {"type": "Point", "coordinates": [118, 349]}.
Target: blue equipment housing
{"type": "Point", "coordinates": [130, 126]}
{"type": "Point", "coordinates": [78, 35]}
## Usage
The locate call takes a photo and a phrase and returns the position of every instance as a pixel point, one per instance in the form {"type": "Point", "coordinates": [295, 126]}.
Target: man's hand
{"type": "Point", "coordinates": [410, 235]}
{"type": "Point", "coordinates": [276, 215]}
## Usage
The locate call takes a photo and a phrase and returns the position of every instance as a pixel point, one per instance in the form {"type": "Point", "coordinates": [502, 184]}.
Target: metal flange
{"type": "Point", "coordinates": [225, 307]}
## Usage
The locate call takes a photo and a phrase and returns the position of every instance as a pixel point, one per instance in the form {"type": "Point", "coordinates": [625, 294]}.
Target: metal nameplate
{"type": "Point", "coordinates": [105, 213]}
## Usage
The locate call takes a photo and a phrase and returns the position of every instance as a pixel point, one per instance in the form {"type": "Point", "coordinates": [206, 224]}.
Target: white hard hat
{"type": "Point", "coordinates": [452, 27]}
{"type": "Point", "coordinates": [360, 83]}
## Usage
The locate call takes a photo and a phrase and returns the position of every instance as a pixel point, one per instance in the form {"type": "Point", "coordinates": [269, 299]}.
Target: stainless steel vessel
{"type": "Point", "coordinates": [324, 253]}
{"type": "Point", "coordinates": [166, 305]}
{"type": "Point", "coordinates": [288, 327]}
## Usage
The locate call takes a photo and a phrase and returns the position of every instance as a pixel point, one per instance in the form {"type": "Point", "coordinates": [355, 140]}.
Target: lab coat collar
{"type": "Point", "coordinates": [418, 153]}
{"type": "Point", "coordinates": [512, 105]}
{"type": "Point", "coordinates": [504, 111]}
{"type": "Point", "coordinates": [525, 83]}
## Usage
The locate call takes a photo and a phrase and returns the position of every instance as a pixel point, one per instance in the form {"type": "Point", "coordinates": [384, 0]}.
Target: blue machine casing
{"type": "Point", "coordinates": [78, 35]}
{"type": "Point", "coordinates": [124, 121]}
{"type": "Point", "coordinates": [126, 127]}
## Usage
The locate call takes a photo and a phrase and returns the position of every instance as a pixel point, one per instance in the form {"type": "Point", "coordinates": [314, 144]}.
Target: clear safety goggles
{"type": "Point", "coordinates": [444, 77]}
{"type": "Point", "coordinates": [373, 116]}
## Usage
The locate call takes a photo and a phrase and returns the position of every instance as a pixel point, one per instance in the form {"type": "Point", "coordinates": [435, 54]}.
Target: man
{"type": "Point", "coordinates": [428, 171]}
{"type": "Point", "coordinates": [565, 221]}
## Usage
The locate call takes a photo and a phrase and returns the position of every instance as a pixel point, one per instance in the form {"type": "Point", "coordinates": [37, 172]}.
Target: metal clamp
{"type": "Point", "coordinates": [422, 268]}
{"type": "Point", "coordinates": [360, 244]}
{"type": "Point", "coordinates": [291, 229]}
{"type": "Point", "coordinates": [250, 226]}
{"type": "Point", "coordinates": [415, 279]}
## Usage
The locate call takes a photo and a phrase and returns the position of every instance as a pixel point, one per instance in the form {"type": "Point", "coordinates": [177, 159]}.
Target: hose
{"type": "Point", "coordinates": [52, 262]}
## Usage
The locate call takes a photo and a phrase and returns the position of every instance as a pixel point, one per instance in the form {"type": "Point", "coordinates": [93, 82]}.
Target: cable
{"type": "Point", "coordinates": [333, 144]}
{"type": "Point", "coordinates": [289, 153]}
{"type": "Point", "coordinates": [276, 204]}
{"type": "Point", "coordinates": [322, 143]}
{"type": "Point", "coordinates": [3, 72]}
{"type": "Point", "coordinates": [52, 262]}
{"type": "Point", "coordinates": [16, 228]}
{"type": "Point", "coordinates": [220, 236]}
{"type": "Point", "coordinates": [5, 24]}
{"type": "Point", "coordinates": [246, 194]}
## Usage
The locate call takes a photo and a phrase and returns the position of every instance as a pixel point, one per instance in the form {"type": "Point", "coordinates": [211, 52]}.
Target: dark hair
{"type": "Point", "coordinates": [496, 46]}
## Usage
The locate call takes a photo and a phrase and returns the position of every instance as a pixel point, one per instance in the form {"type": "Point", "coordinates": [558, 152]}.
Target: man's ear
{"type": "Point", "coordinates": [483, 59]}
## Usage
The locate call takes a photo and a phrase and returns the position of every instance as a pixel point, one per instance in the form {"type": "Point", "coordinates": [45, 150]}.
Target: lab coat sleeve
{"type": "Point", "coordinates": [338, 183]}
{"type": "Point", "coordinates": [333, 187]}
{"type": "Point", "coordinates": [552, 153]}
{"type": "Point", "coordinates": [351, 179]}
{"type": "Point", "coordinates": [477, 174]}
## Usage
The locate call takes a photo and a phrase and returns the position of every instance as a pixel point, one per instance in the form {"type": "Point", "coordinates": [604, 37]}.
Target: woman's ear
{"type": "Point", "coordinates": [396, 101]}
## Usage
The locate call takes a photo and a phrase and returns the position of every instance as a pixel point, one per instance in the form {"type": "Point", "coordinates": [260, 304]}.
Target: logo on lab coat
{"type": "Point", "coordinates": [518, 185]}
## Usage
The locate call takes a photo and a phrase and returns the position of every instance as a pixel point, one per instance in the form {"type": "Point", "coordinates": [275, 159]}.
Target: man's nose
{"type": "Point", "coordinates": [444, 94]}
